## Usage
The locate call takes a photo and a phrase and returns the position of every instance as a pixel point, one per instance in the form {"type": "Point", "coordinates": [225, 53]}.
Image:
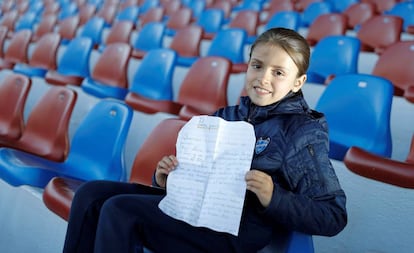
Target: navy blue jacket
{"type": "Point", "coordinates": [292, 147]}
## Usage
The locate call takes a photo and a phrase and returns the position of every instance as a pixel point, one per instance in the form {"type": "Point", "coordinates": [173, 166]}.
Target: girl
{"type": "Point", "coordinates": [291, 185]}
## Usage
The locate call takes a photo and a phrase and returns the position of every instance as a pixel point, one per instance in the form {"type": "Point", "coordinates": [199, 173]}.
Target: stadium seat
{"type": "Point", "coordinates": [17, 49]}
{"type": "Point", "coordinates": [396, 64]}
{"type": "Point", "coordinates": [359, 118]}
{"type": "Point", "coordinates": [9, 19]}
{"type": "Point", "coordinates": [358, 13]}
{"type": "Point", "coordinates": [96, 151]}
{"type": "Point", "coordinates": [154, 14]}
{"type": "Point", "coordinates": [314, 10]}
{"type": "Point", "coordinates": [86, 12]}
{"type": "Point", "coordinates": [146, 86]}
{"type": "Point", "coordinates": [326, 25]}
{"type": "Point", "coordinates": [186, 43]}
{"type": "Point", "coordinates": [43, 57]}
{"type": "Point", "coordinates": [341, 6]}
{"type": "Point", "coordinates": [93, 29]}
{"type": "Point", "coordinates": [405, 11]}
{"type": "Point", "coordinates": [274, 7]}
{"type": "Point", "coordinates": [73, 65]}
{"type": "Point", "coordinates": [3, 38]}
{"type": "Point", "coordinates": [211, 20]}
{"type": "Point", "coordinates": [46, 25]}
{"type": "Point", "coordinates": [225, 6]}
{"type": "Point", "coordinates": [170, 7]}
{"type": "Point", "coordinates": [67, 28]}
{"type": "Point", "coordinates": [230, 44]}
{"type": "Point", "coordinates": [380, 168]}
{"type": "Point", "coordinates": [129, 13]}
{"type": "Point", "coordinates": [146, 5]}
{"type": "Point", "coordinates": [120, 31]}
{"type": "Point", "coordinates": [286, 19]}
{"type": "Point", "coordinates": [109, 77]}
{"type": "Point", "coordinates": [151, 36]}
{"type": "Point", "coordinates": [66, 10]}
{"type": "Point", "coordinates": [333, 55]}
{"type": "Point", "coordinates": [14, 89]}
{"type": "Point", "coordinates": [382, 6]}
{"type": "Point", "coordinates": [108, 13]}
{"type": "Point", "coordinates": [46, 132]}
{"type": "Point", "coordinates": [380, 32]}
{"type": "Point", "coordinates": [177, 20]}
{"type": "Point", "coordinates": [25, 21]}
{"type": "Point", "coordinates": [247, 20]}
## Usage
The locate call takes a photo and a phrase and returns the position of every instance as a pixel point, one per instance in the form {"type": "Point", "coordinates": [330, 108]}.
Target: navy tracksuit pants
{"type": "Point", "coordinates": [115, 217]}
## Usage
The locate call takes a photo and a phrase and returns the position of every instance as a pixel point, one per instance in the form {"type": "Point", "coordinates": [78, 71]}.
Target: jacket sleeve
{"type": "Point", "coordinates": [314, 203]}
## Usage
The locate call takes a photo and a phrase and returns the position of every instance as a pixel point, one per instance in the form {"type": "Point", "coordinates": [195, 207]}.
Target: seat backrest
{"type": "Point", "coordinates": [159, 143]}
{"type": "Point", "coordinates": [211, 20]}
{"type": "Point", "coordinates": [108, 13]}
{"type": "Point", "coordinates": [44, 54]}
{"type": "Point", "coordinates": [67, 10]}
{"type": "Point", "coordinates": [382, 6]}
{"type": "Point", "coordinates": [247, 20]}
{"type": "Point", "coordinates": [358, 13]}
{"type": "Point", "coordinates": [93, 29]}
{"type": "Point", "coordinates": [129, 13]}
{"type": "Point", "coordinates": [286, 19]}
{"type": "Point", "coordinates": [225, 6]}
{"type": "Point", "coordinates": [405, 11]}
{"type": "Point", "coordinates": [14, 90]}
{"type": "Point", "coordinates": [26, 21]}
{"type": "Point", "coordinates": [146, 5]}
{"type": "Point", "coordinates": [187, 41]}
{"type": "Point", "coordinates": [17, 50]}
{"type": "Point", "coordinates": [396, 64]}
{"type": "Point", "coordinates": [170, 7]}
{"type": "Point", "coordinates": [379, 32]}
{"type": "Point", "coordinates": [334, 55]}
{"type": "Point", "coordinates": [229, 43]}
{"type": "Point", "coordinates": [326, 25]}
{"type": "Point", "coordinates": [120, 32]}
{"type": "Point", "coordinates": [359, 118]}
{"type": "Point", "coordinates": [112, 66]}
{"type": "Point", "coordinates": [46, 25]}
{"type": "Point", "coordinates": [97, 148]}
{"type": "Point", "coordinates": [9, 19]}
{"type": "Point", "coordinates": [314, 10]}
{"type": "Point", "coordinates": [154, 14]}
{"type": "Point", "coordinates": [154, 77]}
{"type": "Point", "coordinates": [67, 28]}
{"type": "Point", "coordinates": [75, 58]}
{"type": "Point", "coordinates": [3, 37]}
{"type": "Point", "coordinates": [179, 19]}
{"type": "Point", "coordinates": [150, 36]}
{"type": "Point", "coordinates": [47, 127]}
{"type": "Point", "coordinates": [86, 12]}
{"type": "Point", "coordinates": [205, 97]}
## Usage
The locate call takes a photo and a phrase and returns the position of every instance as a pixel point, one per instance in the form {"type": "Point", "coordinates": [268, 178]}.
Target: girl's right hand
{"type": "Point", "coordinates": [164, 167]}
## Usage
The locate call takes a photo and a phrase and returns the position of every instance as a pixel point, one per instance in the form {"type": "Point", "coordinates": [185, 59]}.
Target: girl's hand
{"type": "Point", "coordinates": [261, 184]}
{"type": "Point", "coordinates": [164, 167]}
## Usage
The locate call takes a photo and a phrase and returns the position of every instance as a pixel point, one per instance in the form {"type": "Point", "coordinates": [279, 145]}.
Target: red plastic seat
{"type": "Point", "coordinates": [325, 25]}
{"type": "Point", "coordinates": [46, 133]}
{"type": "Point", "coordinates": [43, 57]}
{"type": "Point", "coordinates": [380, 32]}
{"type": "Point", "coordinates": [86, 12]}
{"type": "Point", "coordinates": [58, 193]}
{"type": "Point", "coordinates": [154, 14]}
{"type": "Point", "coordinates": [276, 6]}
{"type": "Point", "coordinates": [381, 5]}
{"type": "Point", "coordinates": [120, 32]}
{"type": "Point", "coordinates": [247, 20]}
{"type": "Point", "coordinates": [107, 12]}
{"type": "Point", "coordinates": [396, 63]}
{"type": "Point", "coordinates": [366, 164]}
{"type": "Point", "coordinates": [358, 13]}
{"type": "Point", "coordinates": [46, 25]}
{"type": "Point", "coordinates": [17, 50]}
{"type": "Point", "coordinates": [9, 19]}
{"type": "Point", "coordinates": [3, 37]}
{"type": "Point", "coordinates": [179, 19]}
{"type": "Point", "coordinates": [68, 27]}
{"type": "Point", "coordinates": [186, 42]}
{"type": "Point", "coordinates": [14, 90]}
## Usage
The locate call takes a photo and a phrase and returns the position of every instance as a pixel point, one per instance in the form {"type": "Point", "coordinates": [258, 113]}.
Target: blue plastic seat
{"type": "Point", "coordinates": [129, 13]}
{"type": "Point", "coordinates": [229, 43]}
{"type": "Point", "coordinates": [295, 242]}
{"type": "Point", "coordinates": [252, 5]}
{"type": "Point", "coordinates": [342, 5]}
{"type": "Point", "coordinates": [151, 36]}
{"type": "Point", "coordinates": [73, 66]}
{"type": "Point", "coordinates": [147, 86]}
{"type": "Point", "coordinates": [313, 11]}
{"type": "Point", "coordinates": [68, 9]}
{"type": "Point", "coordinates": [96, 152]}
{"type": "Point", "coordinates": [109, 77]}
{"type": "Point", "coordinates": [93, 29]}
{"type": "Point", "coordinates": [148, 4]}
{"type": "Point", "coordinates": [358, 109]}
{"type": "Point", "coordinates": [197, 7]}
{"type": "Point", "coordinates": [211, 20]}
{"type": "Point", "coordinates": [26, 21]}
{"type": "Point", "coordinates": [286, 19]}
{"type": "Point", "coordinates": [333, 55]}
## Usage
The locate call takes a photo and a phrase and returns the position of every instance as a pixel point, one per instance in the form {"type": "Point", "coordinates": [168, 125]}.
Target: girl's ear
{"type": "Point", "coordinates": [299, 82]}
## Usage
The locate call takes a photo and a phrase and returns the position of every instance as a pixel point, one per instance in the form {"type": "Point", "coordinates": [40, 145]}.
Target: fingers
{"type": "Point", "coordinates": [167, 163]}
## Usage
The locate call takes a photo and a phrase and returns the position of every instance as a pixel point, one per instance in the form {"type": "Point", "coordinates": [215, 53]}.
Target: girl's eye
{"type": "Point", "coordinates": [278, 73]}
{"type": "Point", "coordinates": [255, 66]}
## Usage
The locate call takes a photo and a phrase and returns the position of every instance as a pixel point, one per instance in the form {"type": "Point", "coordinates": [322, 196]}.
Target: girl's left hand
{"type": "Point", "coordinates": [261, 184]}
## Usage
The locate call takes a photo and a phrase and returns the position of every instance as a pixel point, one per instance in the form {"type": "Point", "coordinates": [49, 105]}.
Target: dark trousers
{"type": "Point", "coordinates": [116, 217]}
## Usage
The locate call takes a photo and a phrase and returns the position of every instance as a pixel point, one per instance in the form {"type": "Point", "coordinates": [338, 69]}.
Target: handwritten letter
{"type": "Point", "coordinates": [208, 188]}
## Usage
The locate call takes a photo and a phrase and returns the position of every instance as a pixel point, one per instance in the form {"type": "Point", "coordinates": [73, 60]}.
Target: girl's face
{"type": "Point", "coordinates": [271, 74]}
